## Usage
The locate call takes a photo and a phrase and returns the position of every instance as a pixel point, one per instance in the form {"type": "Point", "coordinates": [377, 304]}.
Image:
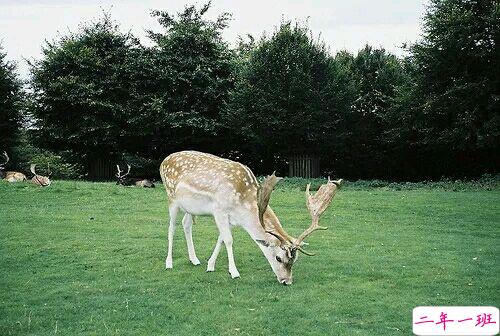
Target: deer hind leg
{"type": "Point", "coordinates": [187, 224]}
{"type": "Point", "coordinates": [222, 222]}
{"type": "Point", "coordinates": [172, 210]}
{"type": "Point", "coordinates": [215, 254]}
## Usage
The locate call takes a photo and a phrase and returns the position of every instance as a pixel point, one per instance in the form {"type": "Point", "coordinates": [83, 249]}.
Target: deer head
{"type": "Point", "coordinates": [281, 248]}
{"type": "Point", "coordinates": [120, 177]}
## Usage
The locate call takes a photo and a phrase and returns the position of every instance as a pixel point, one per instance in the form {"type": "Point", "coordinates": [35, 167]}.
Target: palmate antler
{"type": "Point", "coordinates": [317, 204]}
{"type": "Point", "coordinates": [263, 195]}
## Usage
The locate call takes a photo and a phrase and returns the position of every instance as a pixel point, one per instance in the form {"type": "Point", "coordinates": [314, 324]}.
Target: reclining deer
{"type": "Point", "coordinates": [40, 180]}
{"type": "Point", "coordinates": [129, 181]}
{"type": "Point", "coordinates": [10, 176]}
{"type": "Point", "coordinates": [204, 184]}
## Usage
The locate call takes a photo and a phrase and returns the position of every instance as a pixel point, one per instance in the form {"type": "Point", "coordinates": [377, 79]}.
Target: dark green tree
{"type": "Point", "coordinates": [288, 96]}
{"type": "Point", "coordinates": [376, 76]}
{"type": "Point", "coordinates": [88, 94]}
{"type": "Point", "coordinates": [192, 72]}
{"type": "Point", "coordinates": [454, 102]}
{"type": "Point", "coordinates": [10, 104]}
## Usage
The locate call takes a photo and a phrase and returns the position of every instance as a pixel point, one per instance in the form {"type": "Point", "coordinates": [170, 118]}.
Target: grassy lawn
{"type": "Point", "coordinates": [88, 258]}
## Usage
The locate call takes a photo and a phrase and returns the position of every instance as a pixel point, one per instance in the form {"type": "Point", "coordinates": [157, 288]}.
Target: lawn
{"type": "Point", "coordinates": [88, 258]}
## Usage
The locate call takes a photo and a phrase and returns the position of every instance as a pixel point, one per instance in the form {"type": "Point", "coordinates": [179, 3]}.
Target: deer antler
{"type": "Point", "coordinates": [263, 197]}
{"type": "Point", "coordinates": [317, 204]}
{"type": "Point", "coordinates": [32, 168]}
{"type": "Point", "coordinates": [119, 174]}
{"type": "Point", "coordinates": [264, 194]}
{"type": "Point", "coordinates": [128, 171]}
{"type": "Point", "coordinates": [49, 173]}
{"type": "Point", "coordinates": [6, 159]}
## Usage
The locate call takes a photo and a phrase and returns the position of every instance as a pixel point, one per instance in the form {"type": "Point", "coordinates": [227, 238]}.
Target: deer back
{"type": "Point", "coordinates": [144, 183]}
{"type": "Point", "coordinates": [208, 175]}
{"type": "Point", "coordinates": [13, 176]}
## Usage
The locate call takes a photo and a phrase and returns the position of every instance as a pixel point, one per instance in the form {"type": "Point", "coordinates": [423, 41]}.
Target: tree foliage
{"type": "Point", "coordinates": [87, 98]}
{"type": "Point", "coordinates": [99, 94]}
{"type": "Point", "coordinates": [376, 76]}
{"type": "Point", "coordinates": [454, 102]}
{"type": "Point", "coordinates": [10, 103]}
{"type": "Point", "coordinates": [288, 95]}
{"type": "Point", "coordinates": [193, 73]}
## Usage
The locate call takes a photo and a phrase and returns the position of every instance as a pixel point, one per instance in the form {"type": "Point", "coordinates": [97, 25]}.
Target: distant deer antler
{"type": "Point", "coordinates": [32, 168]}
{"type": "Point", "coordinates": [6, 159]}
{"type": "Point", "coordinates": [119, 174]}
{"type": "Point", "coordinates": [317, 204]}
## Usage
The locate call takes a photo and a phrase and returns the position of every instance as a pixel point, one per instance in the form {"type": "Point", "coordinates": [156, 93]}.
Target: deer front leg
{"type": "Point", "coordinates": [172, 210]}
{"type": "Point", "coordinates": [187, 224]}
{"type": "Point", "coordinates": [222, 222]}
{"type": "Point", "coordinates": [215, 254]}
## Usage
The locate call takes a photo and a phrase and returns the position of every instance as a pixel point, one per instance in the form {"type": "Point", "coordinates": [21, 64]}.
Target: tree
{"type": "Point", "coordinates": [287, 97]}
{"type": "Point", "coordinates": [376, 76]}
{"type": "Point", "coordinates": [88, 98]}
{"type": "Point", "coordinates": [10, 104]}
{"type": "Point", "coordinates": [193, 73]}
{"type": "Point", "coordinates": [456, 72]}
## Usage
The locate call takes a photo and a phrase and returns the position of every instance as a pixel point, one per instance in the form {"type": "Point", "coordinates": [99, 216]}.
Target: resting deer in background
{"type": "Point", "coordinates": [39, 180]}
{"type": "Point", "coordinates": [10, 176]}
{"type": "Point", "coordinates": [121, 179]}
{"type": "Point", "coordinates": [204, 184]}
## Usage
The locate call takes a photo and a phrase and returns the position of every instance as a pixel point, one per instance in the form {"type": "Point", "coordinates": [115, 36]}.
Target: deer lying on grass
{"type": "Point", "coordinates": [204, 184]}
{"type": "Point", "coordinates": [39, 180]}
{"type": "Point", "coordinates": [10, 176]}
{"type": "Point", "coordinates": [121, 179]}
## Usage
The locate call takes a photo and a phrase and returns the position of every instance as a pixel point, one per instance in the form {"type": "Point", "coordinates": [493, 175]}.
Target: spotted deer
{"type": "Point", "coordinates": [204, 184]}
{"type": "Point", "coordinates": [10, 176]}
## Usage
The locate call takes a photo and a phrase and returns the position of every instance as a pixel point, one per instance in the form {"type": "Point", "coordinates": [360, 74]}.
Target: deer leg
{"type": "Point", "coordinates": [222, 222]}
{"type": "Point", "coordinates": [172, 210]}
{"type": "Point", "coordinates": [187, 224]}
{"type": "Point", "coordinates": [215, 254]}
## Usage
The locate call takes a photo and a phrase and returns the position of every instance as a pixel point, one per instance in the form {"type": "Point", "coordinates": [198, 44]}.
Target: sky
{"type": "Point", "coordinates": [25, 25]}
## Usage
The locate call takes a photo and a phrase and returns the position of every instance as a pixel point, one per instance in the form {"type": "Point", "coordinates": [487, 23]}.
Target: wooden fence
{"type": "Point", "coordinates": [102, 169]}
{"type": "Point", "coordinates": [303, 166]}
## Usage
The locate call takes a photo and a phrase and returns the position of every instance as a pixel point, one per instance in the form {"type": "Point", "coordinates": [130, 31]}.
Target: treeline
{"type": "Point", "coordinates": [98, 97]}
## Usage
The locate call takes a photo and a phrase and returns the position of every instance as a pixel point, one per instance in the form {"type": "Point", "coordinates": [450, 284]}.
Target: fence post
{"type": "Point", "coordinates": [303, 166]}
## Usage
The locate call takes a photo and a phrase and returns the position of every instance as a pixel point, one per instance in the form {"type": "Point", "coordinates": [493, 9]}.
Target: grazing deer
{"type": "Point", "coordinates": [204, 184]}
{"type": "Point", "coordinates": [10, 176]}
{"type": "Point", "coordinates": [120, 179]}
{"type": "Point", "coordinates": [39, 180]}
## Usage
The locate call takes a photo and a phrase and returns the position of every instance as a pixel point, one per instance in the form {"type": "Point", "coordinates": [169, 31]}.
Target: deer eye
{"type": "Point", "coordinates": [278, 259]}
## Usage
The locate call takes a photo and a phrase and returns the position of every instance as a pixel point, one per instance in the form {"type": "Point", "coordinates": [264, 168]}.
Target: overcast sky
{"type": "Point", "coordinates": [343, 24]}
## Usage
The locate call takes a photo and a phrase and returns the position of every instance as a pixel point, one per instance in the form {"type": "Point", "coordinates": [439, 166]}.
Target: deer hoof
{"type": "Point", "coordinates": [168, 264]}
{"type": "Point", "coordinates": [235, 274]}
{"type": "Point", "coordinates": [195, 261]}
{"type": "Point", "coordinates": [210, 266]}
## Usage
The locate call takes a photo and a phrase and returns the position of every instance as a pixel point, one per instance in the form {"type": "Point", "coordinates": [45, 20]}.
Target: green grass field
{"type": "Point", "coordinates": [88, 258]}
